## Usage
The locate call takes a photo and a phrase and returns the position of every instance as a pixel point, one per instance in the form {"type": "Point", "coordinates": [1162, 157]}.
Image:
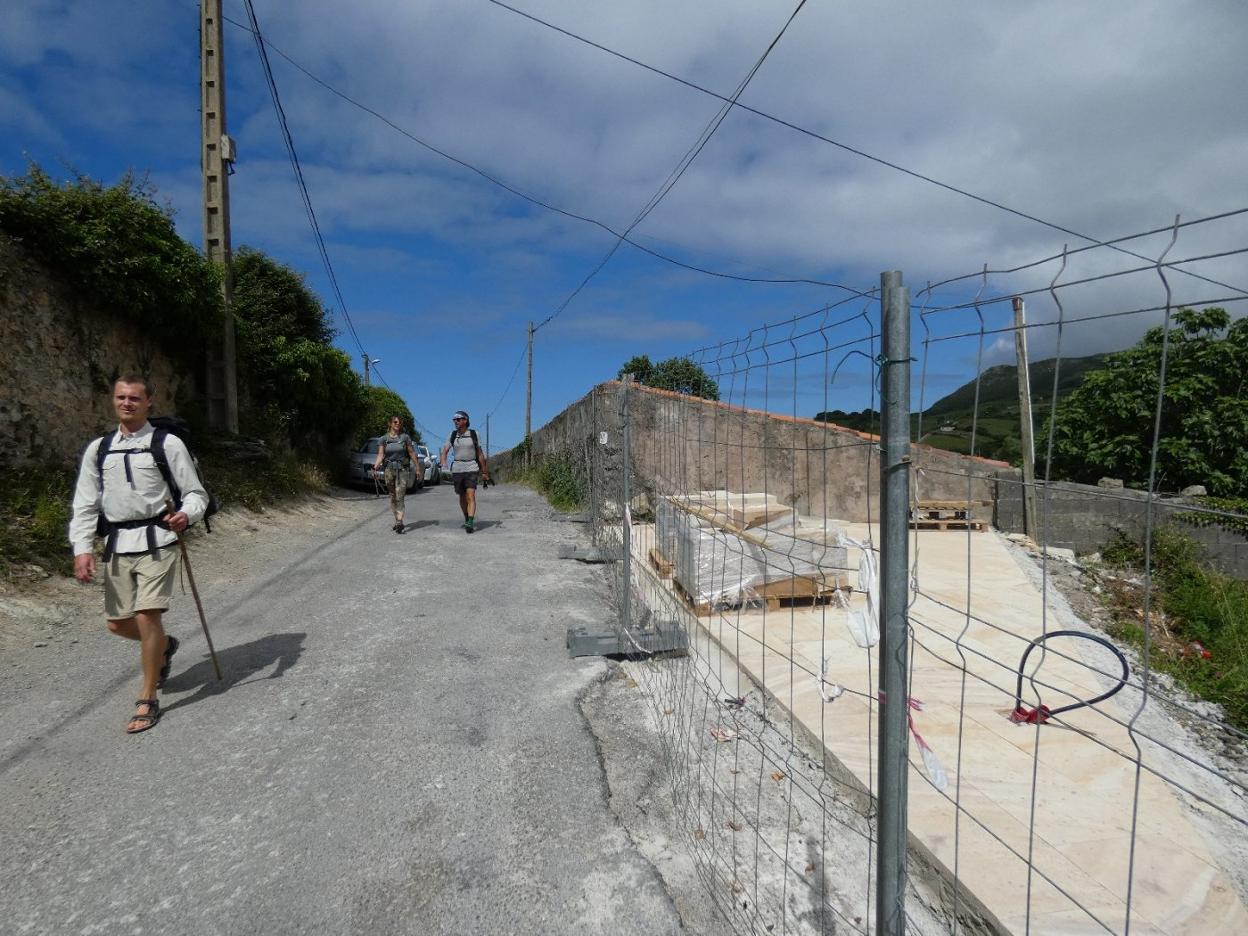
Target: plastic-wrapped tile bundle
{"type": "Point", "coordinates": [726, 548]}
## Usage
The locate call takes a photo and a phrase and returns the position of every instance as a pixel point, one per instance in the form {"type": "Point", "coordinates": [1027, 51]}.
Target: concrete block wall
{"type": "Point", "coordinates": [1085, 518]}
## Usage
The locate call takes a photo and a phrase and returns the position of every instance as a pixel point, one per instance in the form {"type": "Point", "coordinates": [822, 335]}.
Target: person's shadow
{"type": "Point", "coordinates": [237, 663]}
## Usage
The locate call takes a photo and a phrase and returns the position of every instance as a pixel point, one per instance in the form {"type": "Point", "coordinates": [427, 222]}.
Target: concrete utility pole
{"type": "Point", "coordinates": [367, 362]}
{"type": "Point", "coordinates": [528, 407]}
{"type": "Point", "coordinates": [216, 157]}
{"type": "Point", "coordinates": [1030, 521]}
{"type": "Point", "coordinates": [487, 435]}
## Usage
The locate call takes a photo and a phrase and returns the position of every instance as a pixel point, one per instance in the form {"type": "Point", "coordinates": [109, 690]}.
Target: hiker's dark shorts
{"type": "Point", "coordinates": [464, 480]}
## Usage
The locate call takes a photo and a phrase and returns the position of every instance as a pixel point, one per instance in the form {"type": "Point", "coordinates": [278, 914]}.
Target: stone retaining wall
{"type": "Point", "coordinates": [59, 358]}
{"type": "Point", "coordinates": [682, 443]}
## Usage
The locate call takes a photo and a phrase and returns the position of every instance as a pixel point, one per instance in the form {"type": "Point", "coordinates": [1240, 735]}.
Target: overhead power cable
{"type": "Point", "coordinates": [298, 170]}
{"type": "Point", "coordinates": [681, 166]}
{"type": "Point", "coordinates": [515, 370]}
{"type": "Point", "coordinates": [532, 199]}
{"type": "Point", "coordinates": [837, 143]}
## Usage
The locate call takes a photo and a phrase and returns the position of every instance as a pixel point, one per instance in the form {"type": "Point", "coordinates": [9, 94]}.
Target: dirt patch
{"type": "Point", "coordinates": [39, 608]}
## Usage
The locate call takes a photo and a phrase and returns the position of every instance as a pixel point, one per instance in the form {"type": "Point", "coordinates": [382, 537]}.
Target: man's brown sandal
{"type": "Point", "coordinates": [144, 721]}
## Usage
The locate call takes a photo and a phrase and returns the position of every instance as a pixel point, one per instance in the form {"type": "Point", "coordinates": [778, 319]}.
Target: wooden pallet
{"type": "Point", "coordinates": [797, 592]}
{"type": "Point", "coordinates": [939, 513]}
{"type": "Point", "coordinates": [963, 524]}
{"type": "Point", "coordinates": [660, 564]}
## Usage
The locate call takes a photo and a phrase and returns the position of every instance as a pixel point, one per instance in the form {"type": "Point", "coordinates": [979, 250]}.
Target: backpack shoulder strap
{"type": "Point", "coordinates": [162, 462]}
{"type": "Point", "coordinates": [101, 453]}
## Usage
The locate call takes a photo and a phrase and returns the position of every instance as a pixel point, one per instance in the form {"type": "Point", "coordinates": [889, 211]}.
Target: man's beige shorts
{"type": "Point", "coordinates": [139, 582]}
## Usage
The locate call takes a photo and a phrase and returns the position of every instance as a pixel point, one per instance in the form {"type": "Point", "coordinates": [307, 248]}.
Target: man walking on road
{"type": "Point", "coordinates": [123, 496]}
{"type": "Point", "coordinates": [469, 466]}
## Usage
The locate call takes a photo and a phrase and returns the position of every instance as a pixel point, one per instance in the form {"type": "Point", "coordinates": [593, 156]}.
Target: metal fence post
{"type": "Point", "coordinates": [626, 604]}
{"type": "Point", "coordinates": [894, 593]}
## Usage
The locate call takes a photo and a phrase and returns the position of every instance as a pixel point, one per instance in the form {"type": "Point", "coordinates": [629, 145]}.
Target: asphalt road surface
{"type": "Point", "coordinates": [396, 748]}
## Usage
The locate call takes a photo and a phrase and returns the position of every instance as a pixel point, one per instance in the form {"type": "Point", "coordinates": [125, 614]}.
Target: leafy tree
{"type": "Point", "coordinates": [119, 250]}
{"type": "Point", "coordinates": [639, 366]}
{"type": "Point", "coordinates": [683, 376]}
{"type": "Point", "coordinates": [1105, 427]}
{"type": "Point", "coordinates": [679, 374]}
{"type": "Point", "coordinates": [276, 300]}
{"type": "Point", "coordinates": [380, 403]}
{"type": "Point", "coordinates": [296, 383]}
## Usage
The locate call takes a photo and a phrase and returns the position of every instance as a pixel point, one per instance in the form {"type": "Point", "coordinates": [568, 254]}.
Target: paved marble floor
{"type": "Point", "coordinates": [1053, 830]}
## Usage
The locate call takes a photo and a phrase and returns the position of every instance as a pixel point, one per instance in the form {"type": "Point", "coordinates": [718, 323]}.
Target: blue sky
{"type": "Point", "coordinates": [1105, 119]}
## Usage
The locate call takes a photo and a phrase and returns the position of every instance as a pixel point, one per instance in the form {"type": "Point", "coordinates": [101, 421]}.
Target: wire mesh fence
{"type": "Point", "coordinates": [1058, 781]}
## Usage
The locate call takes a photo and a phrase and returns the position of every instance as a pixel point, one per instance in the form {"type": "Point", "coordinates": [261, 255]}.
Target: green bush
{"type": "Point", "coordinates": [299, 387]}
{"type": "Point", "coordinates": [380, 403]}
{"type": "Point", "coordinates": [119, 250]}
{"type": "Point", "coordinates": [34, 518]}
{"type": "Point", "coordinates": [555, 477]}
{"type": "Point", "coordinates": [1201, 606]}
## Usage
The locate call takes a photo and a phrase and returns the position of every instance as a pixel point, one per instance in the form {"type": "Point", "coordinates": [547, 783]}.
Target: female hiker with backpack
{"type": "Point", "coordinates": [397, 452]}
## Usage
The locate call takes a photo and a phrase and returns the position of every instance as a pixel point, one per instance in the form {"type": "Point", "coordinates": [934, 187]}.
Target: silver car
{"type": "Point", "coordinates": [433, 473]}
{"type": "Point", "coordinates": [360, 468]}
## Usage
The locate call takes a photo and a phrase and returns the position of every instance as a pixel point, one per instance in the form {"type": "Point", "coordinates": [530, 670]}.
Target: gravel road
{"type": "Point", "coordinates": [397, 746]}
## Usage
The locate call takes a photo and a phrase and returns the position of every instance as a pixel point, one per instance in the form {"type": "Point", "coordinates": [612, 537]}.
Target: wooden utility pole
{"type": "Point", "coordinates": [216, 158]}
{"type": "Point", "coordinates": [1030, 525]}
{"type": "Point", "coordinates": [528, 407]}
{"type": "Point", "coordinates": [487, 435]}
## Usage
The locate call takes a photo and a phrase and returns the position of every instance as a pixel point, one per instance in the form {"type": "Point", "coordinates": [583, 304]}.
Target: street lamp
{"type": "Point", "coordinates": [367, 362]}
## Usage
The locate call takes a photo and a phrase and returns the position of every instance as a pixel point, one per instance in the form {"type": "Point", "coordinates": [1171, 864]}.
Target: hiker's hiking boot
{"type": "Point", "coordinates": [398, 527]}
{"type": "Point", "coordinates": [469, 524]}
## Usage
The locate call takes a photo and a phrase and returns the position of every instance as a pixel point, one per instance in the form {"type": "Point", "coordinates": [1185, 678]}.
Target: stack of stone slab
{"type": "Point", "coordinates": [728, 549]}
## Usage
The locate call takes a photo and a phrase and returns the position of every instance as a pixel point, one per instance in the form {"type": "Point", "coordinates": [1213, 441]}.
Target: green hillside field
{"type": "Point", "coordinates": [953, 422]}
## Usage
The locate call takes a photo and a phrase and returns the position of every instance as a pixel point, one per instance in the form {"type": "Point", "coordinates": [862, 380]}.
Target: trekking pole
{"type": "Point", "coordinates": [199, 605]}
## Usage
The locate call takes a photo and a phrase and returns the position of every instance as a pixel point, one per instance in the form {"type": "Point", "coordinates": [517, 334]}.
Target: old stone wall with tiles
{"type": "Point", "coordinates": [58, 357]}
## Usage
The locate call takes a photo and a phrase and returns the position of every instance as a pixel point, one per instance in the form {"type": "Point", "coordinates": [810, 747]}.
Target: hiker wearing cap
{"type": "Point", "coordinates": [468, 467]}
{"type": "Point", "coordinates": [397, 453]}
{"type": "Point", "coordinates": [124, 496]}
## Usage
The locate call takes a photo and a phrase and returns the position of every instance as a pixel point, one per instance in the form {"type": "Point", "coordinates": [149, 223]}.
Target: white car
{"type": "Point", "coordinates": [433, 474]}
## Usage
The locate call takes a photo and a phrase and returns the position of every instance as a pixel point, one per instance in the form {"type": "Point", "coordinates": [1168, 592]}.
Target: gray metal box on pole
{"type": "Point", "coordinates": [891, 825]}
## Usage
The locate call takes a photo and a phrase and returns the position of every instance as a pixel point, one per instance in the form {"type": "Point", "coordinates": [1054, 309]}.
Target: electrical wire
{"type": "Point", "coordinates": [838, 144]}
{"type": "Point", "coordinates": [681, 167]}
{"type": "Point", "coordinates": [515, 370]}
{"type": "Point", "coordinates": [532, 199]}
{"type": "Point", "coordinates": [298, 170]}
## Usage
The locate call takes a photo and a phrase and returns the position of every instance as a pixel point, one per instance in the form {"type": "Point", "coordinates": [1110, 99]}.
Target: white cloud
{"type": "Point", "coordinates": [1102, 118]}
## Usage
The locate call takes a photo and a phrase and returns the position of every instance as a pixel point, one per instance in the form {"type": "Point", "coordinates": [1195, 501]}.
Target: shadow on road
{"type": "Point", "coordinates": [421, 524]}
{"type": "Point", "coordinates": [237, 663]}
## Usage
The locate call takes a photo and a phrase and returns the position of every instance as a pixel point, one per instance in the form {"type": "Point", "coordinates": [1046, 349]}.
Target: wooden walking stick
{"type": "Point", "coordinates": [199, 605]}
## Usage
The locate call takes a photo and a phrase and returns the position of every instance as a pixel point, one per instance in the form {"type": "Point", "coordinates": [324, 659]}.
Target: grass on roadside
{"type": "Point", "coordinates": [35, 504]}
{"type": "Point", "coordinates": [555, 477]}
{"type": "Point", "coordinates": [1200, 617]}
{"type": "Point", "coordinates": [34, 519]}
